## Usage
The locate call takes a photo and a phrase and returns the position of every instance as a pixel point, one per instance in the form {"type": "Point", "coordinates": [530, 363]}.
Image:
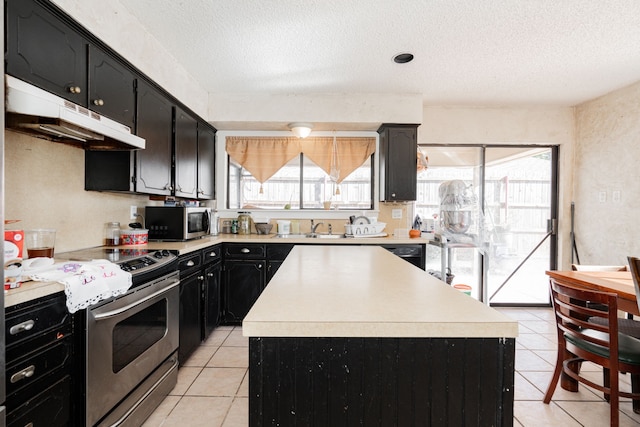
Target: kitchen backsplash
{"type": "Point", "coordinates": [44, 188]}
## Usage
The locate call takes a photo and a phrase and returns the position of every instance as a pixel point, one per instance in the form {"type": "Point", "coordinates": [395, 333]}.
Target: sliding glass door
{"type": "Point", "coordinates": [511, 241]}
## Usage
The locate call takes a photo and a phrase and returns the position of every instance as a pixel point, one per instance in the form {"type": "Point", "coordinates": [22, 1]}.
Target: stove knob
{"type": "Point", "coordinates": [158, 254]}
{"type": "Point", "coordinates": [165, 252]}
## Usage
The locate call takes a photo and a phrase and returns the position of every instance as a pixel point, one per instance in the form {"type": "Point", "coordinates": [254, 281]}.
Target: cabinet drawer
{"type": "Point", "coordinates": [30, 320]}
{"type": "Point", "coordinates": [212, 254]}
{"type": "Point", "coordinates": [36, 367]}
{"type": "Point", "coordinates": [279, 251]}
{"type": "Point", "coordinates": [189, 264]}
{"type": "Point", "coordinates": [244, 251]}
{"type": "Point", "coordinates": [51, 407]}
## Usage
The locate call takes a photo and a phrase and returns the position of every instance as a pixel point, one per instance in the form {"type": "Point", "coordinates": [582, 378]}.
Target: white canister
{"type": "Point", "coordinates": [284, 226]}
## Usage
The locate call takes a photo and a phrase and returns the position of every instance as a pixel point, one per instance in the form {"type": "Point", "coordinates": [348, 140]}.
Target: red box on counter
{"type": "Point", "coordinates": [13, 247]}
{"type": "Point", "coordinates": [13, 244]}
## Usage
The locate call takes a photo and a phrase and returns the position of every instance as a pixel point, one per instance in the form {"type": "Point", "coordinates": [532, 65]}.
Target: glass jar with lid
{"type": "Point", "coordinates": [112, 234]}
{"type": "Point", "coordinates": [244, 222]}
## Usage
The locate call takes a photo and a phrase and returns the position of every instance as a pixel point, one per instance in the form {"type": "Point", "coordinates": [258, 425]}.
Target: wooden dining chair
{"type": "Point", "coordinates": [580, 340]}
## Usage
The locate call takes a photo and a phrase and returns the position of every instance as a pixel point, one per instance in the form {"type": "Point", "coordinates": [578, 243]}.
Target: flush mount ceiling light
{"type": "Point", "coordinates": [301, 130]}
{"type": "Point", "coordinates": [403, 58]}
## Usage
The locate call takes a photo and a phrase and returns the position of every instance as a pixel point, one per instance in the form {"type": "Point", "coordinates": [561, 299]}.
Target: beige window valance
{"type": "Point", "coordinates": [264, 156]}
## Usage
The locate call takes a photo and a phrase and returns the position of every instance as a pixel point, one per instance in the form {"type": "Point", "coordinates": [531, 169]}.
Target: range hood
{"type": "Point", "coordinates": [35, 111]}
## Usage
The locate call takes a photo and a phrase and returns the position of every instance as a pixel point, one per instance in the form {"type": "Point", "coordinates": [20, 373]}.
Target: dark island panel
{"type": "Point", "coordinates": [381, 381]}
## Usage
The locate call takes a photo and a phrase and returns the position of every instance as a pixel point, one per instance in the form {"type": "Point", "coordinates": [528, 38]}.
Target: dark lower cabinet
{"type": "Point", "coordinates": [211, 290]}
{"type": "Point", "coordinates": [276, 254]}
{"type": "Point", "coordinates": [191, 280]}
{"type": "Point", "coordinates": [39, 363]}
{"type": "Point", "coordinates": [243, 284]}
{"type": "Point", "coordinates": [244, 278]}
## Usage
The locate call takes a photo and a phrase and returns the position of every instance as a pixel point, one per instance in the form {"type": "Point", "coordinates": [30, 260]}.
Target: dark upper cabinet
{"type": "Point", "coordinates": [206, 161]}
{"type": "Point", "coordinates": [155, 125]}
{"type": "Point", "coordinates": [398, 150]}
{"type": "Point", "coordinates": [186, 154]}
{"type": "Point", "coordinates": [44, 51]}
{"type": "Point", "coordinates": [112, 91]}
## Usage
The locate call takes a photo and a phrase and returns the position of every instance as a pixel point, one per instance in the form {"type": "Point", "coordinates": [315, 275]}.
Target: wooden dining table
{"type": "Point", "coordinates": [618, 282]}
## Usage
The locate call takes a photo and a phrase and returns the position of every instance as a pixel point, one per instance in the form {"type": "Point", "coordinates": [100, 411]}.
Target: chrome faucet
{"type": "Point", "coordinates": [314, 227]}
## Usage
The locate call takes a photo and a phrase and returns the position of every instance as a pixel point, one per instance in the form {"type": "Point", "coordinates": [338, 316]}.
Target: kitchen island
{"type": "Point", "coordinates": [357, 336]}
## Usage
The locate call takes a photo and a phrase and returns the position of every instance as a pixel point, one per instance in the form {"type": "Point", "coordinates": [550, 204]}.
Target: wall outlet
{"type": "Point", "coordinates": [602, 196]}
{"type": "Point", "coordinates": [396, 213]}
{"type": "Point", "coordinates": [133, 212]}
{"type": "Point", "coordinates": [615, 196]}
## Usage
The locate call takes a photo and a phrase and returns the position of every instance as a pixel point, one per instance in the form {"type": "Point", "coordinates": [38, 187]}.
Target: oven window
{"type": "Point", "coordinates": [137, 333]}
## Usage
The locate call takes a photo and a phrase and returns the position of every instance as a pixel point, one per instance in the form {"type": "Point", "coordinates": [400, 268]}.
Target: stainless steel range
{"type": "Point", "coordinates": [132, 340]}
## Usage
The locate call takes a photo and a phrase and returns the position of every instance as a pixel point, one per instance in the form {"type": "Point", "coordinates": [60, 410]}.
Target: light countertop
{"type": "Point", "coordinates": [366, 292]}
{"type": "Point", "coordinates": [32, 290]}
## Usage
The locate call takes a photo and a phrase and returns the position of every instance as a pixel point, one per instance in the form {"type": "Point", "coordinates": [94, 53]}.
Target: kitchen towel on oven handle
{"type": "Point", "coordinates": [86, 283]}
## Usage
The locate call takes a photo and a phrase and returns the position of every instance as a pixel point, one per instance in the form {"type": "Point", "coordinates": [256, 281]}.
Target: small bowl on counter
{"type": "Point", "coordinates": [263, 227]}
{"type": "Point", "coordinates": [134, 236]}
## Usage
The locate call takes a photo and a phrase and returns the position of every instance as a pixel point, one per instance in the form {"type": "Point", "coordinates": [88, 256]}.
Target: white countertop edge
{"type": "Point", "coordinates": [380, 330]}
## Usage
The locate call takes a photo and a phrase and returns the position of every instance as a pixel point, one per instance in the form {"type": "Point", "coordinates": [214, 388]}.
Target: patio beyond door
{"type": "Point", "coordinates": [515, 236]}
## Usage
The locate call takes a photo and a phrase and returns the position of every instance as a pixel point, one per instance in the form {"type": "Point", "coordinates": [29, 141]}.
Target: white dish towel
{"type": "Point", "coordinates": [85, 283]}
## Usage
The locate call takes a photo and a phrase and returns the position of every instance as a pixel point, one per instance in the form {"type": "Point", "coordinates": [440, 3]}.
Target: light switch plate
{"type": "Point", "coordinates": [396, 213]}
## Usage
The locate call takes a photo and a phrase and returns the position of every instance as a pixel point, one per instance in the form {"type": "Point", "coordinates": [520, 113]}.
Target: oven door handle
{"type": "Point", "coordinates": [112, 313]}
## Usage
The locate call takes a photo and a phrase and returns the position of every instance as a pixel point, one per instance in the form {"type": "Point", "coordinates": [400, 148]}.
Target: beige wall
{"type": "Point", "coordinates": [607, 159]}
{"type": "Point", "coordinates": [44, 188]}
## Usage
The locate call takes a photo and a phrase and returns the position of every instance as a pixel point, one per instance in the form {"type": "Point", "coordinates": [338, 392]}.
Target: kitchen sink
{"type": "Point", "coordinates": [309, 236]}
{"type": "Point", "coordinates": [327, 236]}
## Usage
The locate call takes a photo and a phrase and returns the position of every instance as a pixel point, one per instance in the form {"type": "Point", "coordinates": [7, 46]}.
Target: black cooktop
{"type": "Point", "coordinates": [134, 260]}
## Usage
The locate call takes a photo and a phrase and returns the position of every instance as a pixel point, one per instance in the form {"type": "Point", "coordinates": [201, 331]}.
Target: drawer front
{"type": "Point", "coordinates": [244, 251]}
{"type": "Point", "coordinates": [28, 321]}
{"type": "Point", "coordinates": [278, 251]}
{"type": "Point", "coordinates": [212, 255]}
{"type": "Point", "coordinates": [51, 407]}
{"type": "Point", "coordinates": [31, 369]}
{"type": "Point", "coordinates": [189, 263]}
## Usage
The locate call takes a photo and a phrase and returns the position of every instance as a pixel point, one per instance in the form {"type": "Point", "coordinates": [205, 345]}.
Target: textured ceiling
{"type": "Point", "coordinates": [473, 52]}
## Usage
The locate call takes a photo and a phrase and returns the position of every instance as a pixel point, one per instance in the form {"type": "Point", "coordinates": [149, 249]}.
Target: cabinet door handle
{"type": "Point", "coordinates": [22, 327]}
{"type": "Point", "coordinates": [245, 250]}
{"type": "Point", "coordinates": [25, 373]}
{"type": "Point", "coordinates": [75, 89]}
{"type": "Point", "coordinates": [209, 274]}
{"type": "Point", "coordinates": [98, 102]}
{"type": "Point", "coordinates": [259, 265]}
{"type": "Point", "coordinates": [190, 263]}
{"type": "Point", "coordinates": [201, 278]}
{"type": "Point", "coordinates": [212, 254]}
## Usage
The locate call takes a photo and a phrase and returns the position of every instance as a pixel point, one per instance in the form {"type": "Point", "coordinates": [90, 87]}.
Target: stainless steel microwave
{"type": "Point", "coordinates": [177, 223]}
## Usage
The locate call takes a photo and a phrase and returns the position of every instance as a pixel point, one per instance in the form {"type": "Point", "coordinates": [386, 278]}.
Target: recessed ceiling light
{"type": "Point", "coordinates": [403, 58]}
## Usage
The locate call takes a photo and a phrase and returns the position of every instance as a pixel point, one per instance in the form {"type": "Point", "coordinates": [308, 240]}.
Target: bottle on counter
{"type": "Point", "coordinates": [112, 234]}
{"type": "Point", "coordinates": [244, 222]}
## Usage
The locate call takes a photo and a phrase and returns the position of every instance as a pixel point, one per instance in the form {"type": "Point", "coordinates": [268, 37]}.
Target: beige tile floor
{"type": "Point", "coordinates": [212, 387]}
